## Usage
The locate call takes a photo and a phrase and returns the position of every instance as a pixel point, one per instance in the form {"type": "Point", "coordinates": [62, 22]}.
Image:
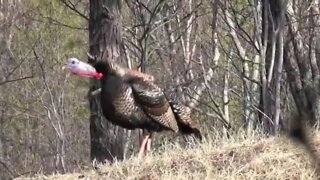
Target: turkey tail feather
{"type": "Point", "coordinates": [183, 116]}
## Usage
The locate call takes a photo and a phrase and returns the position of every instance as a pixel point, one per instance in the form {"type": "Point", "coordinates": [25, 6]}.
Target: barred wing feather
{"type": "Point", "coordinates": [155, 104]}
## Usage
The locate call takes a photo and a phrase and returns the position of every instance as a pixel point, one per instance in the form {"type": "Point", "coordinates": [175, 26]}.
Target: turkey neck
{"type": "Point", "coordinates": [111, 83]}
{"type": "Point", "coordinates": [112, 86]}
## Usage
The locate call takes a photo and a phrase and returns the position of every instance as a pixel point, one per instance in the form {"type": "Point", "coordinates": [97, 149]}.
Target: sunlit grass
{"type": "Point", "coordinates": [233, 158]}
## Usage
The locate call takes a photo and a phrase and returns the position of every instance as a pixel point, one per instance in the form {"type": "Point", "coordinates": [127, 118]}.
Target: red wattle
{"type": "Point", "coordinates": [99, 75]}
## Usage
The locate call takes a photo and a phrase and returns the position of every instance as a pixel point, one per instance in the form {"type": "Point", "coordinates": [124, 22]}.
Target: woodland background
{"type": "Point", "coordinates": [244, 65]}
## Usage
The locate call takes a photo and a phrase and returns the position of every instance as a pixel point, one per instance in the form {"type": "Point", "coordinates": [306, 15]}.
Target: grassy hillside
{"type": "Point", "coordinates": [247, 158]}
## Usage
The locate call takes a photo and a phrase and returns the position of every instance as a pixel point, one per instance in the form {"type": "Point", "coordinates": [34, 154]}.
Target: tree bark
{"type": "Point", "coordinates": [248, 87]}
{"type": "Point", "coordinates": [272, 20]}
{"type": "Point", "coordinates": [107, 140]}
{"type": "Point", "coordinates": [301, 65]}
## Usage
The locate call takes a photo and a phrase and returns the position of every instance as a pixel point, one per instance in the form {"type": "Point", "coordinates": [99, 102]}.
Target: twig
{"type": "Point", "coordinates": [14, 80]}
{"type": "Point", "coordinates": [74, 9]}
{"type": "Point", "coordinates": [225, 123]}
{"type": "Point", "coordinates": [58, 23]}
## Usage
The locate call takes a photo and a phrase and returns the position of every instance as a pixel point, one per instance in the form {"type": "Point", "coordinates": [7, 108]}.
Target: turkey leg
{"type": "Point", "coordinates": [148, 145]}
{"type": "Point", "coordinates": [143, 146]}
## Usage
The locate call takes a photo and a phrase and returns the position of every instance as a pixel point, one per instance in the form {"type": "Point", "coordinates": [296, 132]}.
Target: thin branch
{"type": "Point", "coordinates": [226, 124]}
{"type": "Point", "coordinates": [246, 36]}
{"type": "Point", "coordinates": [14, 80]}
{"type": "Point", "coordinates": [74, 9]}
{"type": "Point", "coordinates": [58, 23]}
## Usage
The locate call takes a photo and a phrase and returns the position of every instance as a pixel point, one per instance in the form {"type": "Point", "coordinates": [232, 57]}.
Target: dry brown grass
{"type": "Point", "coordinates": [248, 158]}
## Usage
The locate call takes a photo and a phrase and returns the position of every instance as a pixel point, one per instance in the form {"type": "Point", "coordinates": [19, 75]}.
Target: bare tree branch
{"type": "Point", "coordinates": [14, 80]}
{"type": "Point", "coordinates": [73, 7]}
{"type": "Point", "coordinates": [58, 23]}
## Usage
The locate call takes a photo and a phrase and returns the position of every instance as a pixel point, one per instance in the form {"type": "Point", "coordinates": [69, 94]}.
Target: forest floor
{"type": "Point", "coordinates": [248, 158]}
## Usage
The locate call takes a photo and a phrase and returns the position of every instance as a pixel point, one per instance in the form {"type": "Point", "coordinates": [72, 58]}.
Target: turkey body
{"type": "Point", "coordinates": [120, 106]}
{"type": "Point", "coordinates": [132, 100]}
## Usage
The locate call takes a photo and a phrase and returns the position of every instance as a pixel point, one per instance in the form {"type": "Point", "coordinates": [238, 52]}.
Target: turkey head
{"type": "Point", "coordinates": [82, 69]}
{"type": "Point", "coordinates": [102, 68]}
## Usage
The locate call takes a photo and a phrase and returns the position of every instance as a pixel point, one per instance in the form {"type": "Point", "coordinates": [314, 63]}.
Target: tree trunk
{"type": "Point", "coordinates": [107, 140]}
{"type": "Point", "coordinates": [302, 64]}
{"type": "Point", "coordinates": [272, 20]}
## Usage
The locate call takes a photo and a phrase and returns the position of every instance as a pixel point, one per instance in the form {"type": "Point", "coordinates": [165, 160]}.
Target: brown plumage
{"type": "Point", "coordinates": [183, 116]}
{"type": "Point", "coordinates": [132, 100]}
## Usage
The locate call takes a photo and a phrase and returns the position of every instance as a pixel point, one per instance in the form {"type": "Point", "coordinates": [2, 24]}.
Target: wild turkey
{"type": "Point", "coordinates": [132, 100]}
